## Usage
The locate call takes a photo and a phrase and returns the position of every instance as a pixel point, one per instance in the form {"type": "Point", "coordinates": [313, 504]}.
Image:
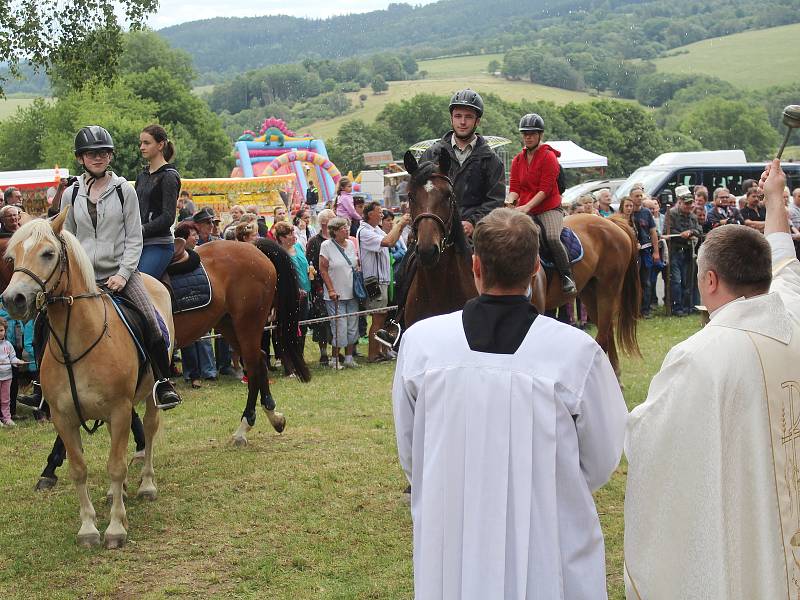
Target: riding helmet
{"type": "Point", "coordinates": [468, 98]}
{"type": "Point", "coordinates": [93, 137]}
{"type": "Point", "coordinates": [531, 122]}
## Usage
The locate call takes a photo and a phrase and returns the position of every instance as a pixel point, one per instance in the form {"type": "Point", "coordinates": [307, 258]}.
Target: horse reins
{"type": "Point", "coordinates": [43, 299]}
{"type": "Point", "coordinates": [446, 227]}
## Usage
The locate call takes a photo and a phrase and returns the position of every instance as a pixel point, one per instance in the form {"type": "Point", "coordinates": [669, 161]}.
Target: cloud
{"type": "Point", "coordinates": [172, 12]}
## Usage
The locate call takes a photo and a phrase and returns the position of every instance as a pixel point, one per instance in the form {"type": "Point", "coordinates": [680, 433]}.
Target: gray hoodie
{"type": "Point", "coordinates": [116, 245]}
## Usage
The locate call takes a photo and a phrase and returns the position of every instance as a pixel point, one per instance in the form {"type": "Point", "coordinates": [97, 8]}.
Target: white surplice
{"type": "Point", "coordinates": [503, 452]}
{"type": "Point", "coordinates": [712, 506]}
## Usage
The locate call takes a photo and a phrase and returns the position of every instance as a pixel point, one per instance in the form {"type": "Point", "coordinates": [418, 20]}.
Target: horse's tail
{"type": "Point", "coordinates": [630, 309]}
{"type": "Point", "coordinates": [287, 308]}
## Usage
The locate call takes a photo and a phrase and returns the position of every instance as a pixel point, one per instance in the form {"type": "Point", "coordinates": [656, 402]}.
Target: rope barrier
{"type": "Point", "coordinates": [359, 313]}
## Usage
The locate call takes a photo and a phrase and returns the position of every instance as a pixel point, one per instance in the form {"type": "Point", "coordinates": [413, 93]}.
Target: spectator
{"type": "Point", "coordinates": [9, 219]}
{"type": "Point", "coordinates": [681, 251]}
{"type": "Point", "coordinates": [658, 265]}
{"type": "Point", "coordinates": [186, 207]}
{"type": "Point", "coordinates": [321, 332]}
{"type": "Point", "coordinates": [236, 213]}
{"type": "Point", "coordinates": [197, 358]}
{"type": "Point", "coordinates": [388, 194]}
{"type": "Point", "coordinates": [373, 248]}
{"type": "Point", "coordinates": [312, 197]}
{"type": "Point", "coordinates": [604, 207]}
{"type": "Point", "coordinates": [278, 215]}
{"type": "Point", "coordinates": [794, 208]}
{"type": "Point", "coordinates": [302, 227]}
{"type": "Point", "coordinates": [719, 213]}
{"type": "Point", "coordinates": [753, 215]}
{"type": "Point", "coordinates": [402, 191]}
{"type": "Point", "coordinates": [337, 261]}
{"type": "Point", "coordinates": [8, 358]}
{"type": "Point", "coordinates": [407, 230]}
{"type": "Point", "coordinates": [263, 230]}
{"type": "Point", "coordinates": [12, 197]}
{"type": "Point", "coordinates": [287, 239]}
{"type": "Point", "coordinates": [344, 205]}
{"type": "Point", "coordinates": [649, 253]}
{"type": "Point", "coordinates": [204, 222]}
{"type": "Point", "coordinates": [701, 197]}
{"type": "Point", "coordinates": [246, 232]}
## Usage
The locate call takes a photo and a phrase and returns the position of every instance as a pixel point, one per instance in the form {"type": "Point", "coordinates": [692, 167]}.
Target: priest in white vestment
{"type": "Point", "coordinates": [712, 507]}
{"type": "Point", "coordinates": [506, 422]}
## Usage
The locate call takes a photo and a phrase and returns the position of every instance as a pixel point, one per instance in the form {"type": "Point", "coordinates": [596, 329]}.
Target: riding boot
{"type": "Point", "coordinates": [34, 400]}
{"type": "Point", "coordinates": [165, 394]}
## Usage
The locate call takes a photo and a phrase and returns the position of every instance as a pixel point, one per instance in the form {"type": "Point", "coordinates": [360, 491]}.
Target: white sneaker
{"type": "Point", "coordinates": [10, 423]}
{"type": "Point", "coordinates": [351, 365]}
{"type": "Point", "coordinates": [336, 366]}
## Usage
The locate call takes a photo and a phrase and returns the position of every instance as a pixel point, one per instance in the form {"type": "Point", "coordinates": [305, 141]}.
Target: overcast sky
{"type": "Point", "coordinates": [172, 12]}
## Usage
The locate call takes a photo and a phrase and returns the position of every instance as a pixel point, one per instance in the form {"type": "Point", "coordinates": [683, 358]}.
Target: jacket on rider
{"type": "Point", "coordinates": [479, 184]}
{"type": "Point", "coordinates": [541, 174]}
{"type": "Point", "coordinates": [110, 253]}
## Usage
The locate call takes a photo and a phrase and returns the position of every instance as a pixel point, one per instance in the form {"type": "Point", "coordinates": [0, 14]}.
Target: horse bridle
{"type": "Point", "coordinates": [43, 299]}
{"type": "Point", "coordinates": [446, 227]}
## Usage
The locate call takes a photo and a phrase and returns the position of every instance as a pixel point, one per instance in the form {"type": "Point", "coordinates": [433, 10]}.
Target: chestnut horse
{"type": "Point", "coordinates": [607, 276]}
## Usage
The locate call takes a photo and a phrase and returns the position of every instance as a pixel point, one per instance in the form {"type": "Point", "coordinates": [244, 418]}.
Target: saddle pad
{"type": "Point", "coordinates": [191, 290]}
{"type": "Point", "coordinates": [134, 322]}
{"type": "Point", "coordinates": [571, 243]}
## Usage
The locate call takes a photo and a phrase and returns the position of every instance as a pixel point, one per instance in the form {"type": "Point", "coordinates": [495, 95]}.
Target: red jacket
{"type": "Point", "coordinates": [541, 175]}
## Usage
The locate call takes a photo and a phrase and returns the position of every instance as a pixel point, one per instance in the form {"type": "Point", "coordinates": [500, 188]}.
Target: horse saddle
{"type": "Point", "coordinates": [187, 280]}
{"type": "Point", "coordinates": [571, 242]}
{"type": "Point", "coordinates": [135, 323]}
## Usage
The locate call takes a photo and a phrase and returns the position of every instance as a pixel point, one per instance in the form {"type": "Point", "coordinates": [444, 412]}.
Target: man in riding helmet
{"type": "Point", "coordinates": [477, 173]}
{"type": "Point", "coordinates": [104, 216]}
{"type": "Point", "coordinates": [533, 190]}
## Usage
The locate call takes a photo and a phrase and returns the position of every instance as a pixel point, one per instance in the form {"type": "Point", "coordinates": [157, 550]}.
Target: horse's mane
{"type": "Point", "coordinates": [39, 230]}
{"type": "Point", "coordinates": [418, 180]}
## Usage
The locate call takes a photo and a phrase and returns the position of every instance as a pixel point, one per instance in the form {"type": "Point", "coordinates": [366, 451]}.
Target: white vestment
{"type": "Point", "coordinates": [712, 502]}
{"type": "Point", "coordinates": [503, 452]}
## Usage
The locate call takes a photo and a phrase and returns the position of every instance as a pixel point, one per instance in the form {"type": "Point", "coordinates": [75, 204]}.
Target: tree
{"type": "Point", "coordinates": [379, 84]}
{"type": "Point", "coordinates": [494, 66]}
{"type": "Point", "coordinates": [81, 40]}
{"type": "Point", "coordinates": [719, 124]}
{"type": "Point", "coordinates": [355, 137]}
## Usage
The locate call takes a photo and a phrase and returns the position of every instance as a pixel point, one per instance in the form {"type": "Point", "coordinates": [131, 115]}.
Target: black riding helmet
{"type": "Point", "coordinates": [469, 99]}
{"type": "Point", "coordinates": [93, 137]}
{"type": "Point", "coordinates": [531, 122]}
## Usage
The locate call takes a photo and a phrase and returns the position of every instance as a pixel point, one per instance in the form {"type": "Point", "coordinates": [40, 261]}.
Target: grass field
{"type": "Point", "coordinates": [752, 59]}
{"type": "Point", "coordinates": [316, 512]}
{"type": "Point", "coordinates": [8, 106]}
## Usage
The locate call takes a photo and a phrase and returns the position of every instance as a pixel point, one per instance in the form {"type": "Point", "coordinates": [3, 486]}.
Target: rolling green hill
{"type": "Point", "coordinates": [9, 106]}
{"type": "Point", "coordinates": [445, 76]}
{"type": "Point", "coordinates": [751, 59]}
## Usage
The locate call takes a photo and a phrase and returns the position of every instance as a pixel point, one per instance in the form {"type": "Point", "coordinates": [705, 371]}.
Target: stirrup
{"type": "Point", "coordinates": [34, 383]}
{"type": "Point", "coordinates": [568, 285]}
{"type": "Point", "coordinates": [385, 338]}
{"type": "Point", "coordinates": [156, 401]}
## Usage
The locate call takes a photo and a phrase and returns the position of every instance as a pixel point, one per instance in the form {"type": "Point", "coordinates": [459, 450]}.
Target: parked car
{"type": "Point", "coordinates": [713, 169]}
{"type": "Point", "coordinates": [588, 187]}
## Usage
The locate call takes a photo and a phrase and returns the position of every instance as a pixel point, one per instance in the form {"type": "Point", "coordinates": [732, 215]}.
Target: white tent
{"type": "Point", "coordinates": [32, 178]}
{"type": "Point", "coordinates": [575, 157]}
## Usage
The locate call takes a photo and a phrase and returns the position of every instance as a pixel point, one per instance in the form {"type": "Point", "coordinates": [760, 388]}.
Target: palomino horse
{"type": "Point", "coordinates": [90, 369]}
{"type": "Point", "coordinates": [607, 276]}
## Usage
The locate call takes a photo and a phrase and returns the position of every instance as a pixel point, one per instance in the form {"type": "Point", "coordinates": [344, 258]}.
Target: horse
{"type": "Point", "coordinates": [90, 369]}
{"type": "Point", "coordinates": [607, 276]}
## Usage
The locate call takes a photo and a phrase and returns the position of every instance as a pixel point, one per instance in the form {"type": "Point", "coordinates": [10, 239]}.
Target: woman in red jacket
{"type": "Point", "coordinates": [534, 190]}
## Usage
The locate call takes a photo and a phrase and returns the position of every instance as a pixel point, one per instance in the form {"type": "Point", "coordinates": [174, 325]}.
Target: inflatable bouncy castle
{"type": "Point", "coordinates": [276, 150]}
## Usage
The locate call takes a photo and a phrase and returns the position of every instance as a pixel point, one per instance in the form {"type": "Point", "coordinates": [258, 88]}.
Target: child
{"type": "Point", "coordinates": [8, 357]}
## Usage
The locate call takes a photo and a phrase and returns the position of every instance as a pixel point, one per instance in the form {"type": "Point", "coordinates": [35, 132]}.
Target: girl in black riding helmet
{"type": "Point", "coordinates": [104, 216]}
{"type": "Point", "coordinates": [157, 186]}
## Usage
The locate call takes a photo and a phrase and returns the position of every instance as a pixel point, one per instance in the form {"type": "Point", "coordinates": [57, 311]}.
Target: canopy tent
{"type": "Point", "coordinates": [575, 157]}
{"type": "Point", "coordinates": [32, 179]}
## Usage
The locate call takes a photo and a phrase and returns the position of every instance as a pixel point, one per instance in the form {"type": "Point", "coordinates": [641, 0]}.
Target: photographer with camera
{"type": "Point", "coordinates": [373, 249]}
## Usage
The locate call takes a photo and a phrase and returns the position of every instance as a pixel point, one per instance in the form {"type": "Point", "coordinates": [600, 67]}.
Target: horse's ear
{"type": "Point", "coordinates": [444, 163]}
{"type": "Point", "coordinates": [410, 162]}
{"type": "Point", "coordinates": [58, 223]}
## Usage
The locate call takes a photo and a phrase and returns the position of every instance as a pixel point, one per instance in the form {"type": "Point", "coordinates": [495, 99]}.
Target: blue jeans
{"type": "Point", "coordinates": [645, 271]}
{"type": "Point", "coordinates": [155, 259]}
{"type": "Point", "coordinates": [224, 354]}
{"type": "Point", "coordinates": [680, 272]}
{"type": "Point", "coordinates": [198, 361]}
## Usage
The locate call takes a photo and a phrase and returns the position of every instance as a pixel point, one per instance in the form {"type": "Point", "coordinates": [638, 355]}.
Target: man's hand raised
{"type": "Point", "coordinates": [772, 183]}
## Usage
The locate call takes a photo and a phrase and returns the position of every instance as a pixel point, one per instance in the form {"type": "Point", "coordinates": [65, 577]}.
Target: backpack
{"type": "Point", "coordinates": [561, 181]}
{"type": "Point", "coordinates": [119, 195]}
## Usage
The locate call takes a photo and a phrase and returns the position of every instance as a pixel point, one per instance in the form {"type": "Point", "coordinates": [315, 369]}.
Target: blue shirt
{"type": "Point", "coordinates": [300, 263]}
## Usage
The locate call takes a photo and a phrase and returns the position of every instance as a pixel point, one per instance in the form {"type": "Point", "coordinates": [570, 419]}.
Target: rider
{"type": "Point", "coordinates": [105, 218]}
{"type": "Point", "coordinates": [157, 187]}
{"type": "Point", "coordinates": [478, 177]}
{"type": "Point", "coordinates": [534, 190]}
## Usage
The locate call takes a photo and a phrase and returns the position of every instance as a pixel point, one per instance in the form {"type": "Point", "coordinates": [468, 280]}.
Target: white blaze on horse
{"type": "Point", "coordinates": [90, 367]}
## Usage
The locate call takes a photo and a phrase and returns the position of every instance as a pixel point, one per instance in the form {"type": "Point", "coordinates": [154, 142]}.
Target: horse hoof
{"type": "Point", "coordinates": [45, 483]}
{"type": "Point", "coordinates": [277, 420]}
{"type": "Point", "coordinates": [114, 541]}
{"type": "Point", "coordinates": [149, 495]}
{"type": "Point", "coordinates": [89, 540]}
{"type": "Point", "coordinates": [239, 442]}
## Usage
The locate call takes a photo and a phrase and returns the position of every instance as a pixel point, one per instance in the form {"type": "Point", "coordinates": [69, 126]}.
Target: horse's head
{"type": "Point", "coordinates": [434, 213]}
{"type": "Point", "coordinates": [40, 251]}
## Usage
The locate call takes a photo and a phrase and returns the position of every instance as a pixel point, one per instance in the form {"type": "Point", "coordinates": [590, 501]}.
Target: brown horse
{"type": "Point", "coordinates": [607, 276]}
{"type": "Point", "coordinates": [90, 369]}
